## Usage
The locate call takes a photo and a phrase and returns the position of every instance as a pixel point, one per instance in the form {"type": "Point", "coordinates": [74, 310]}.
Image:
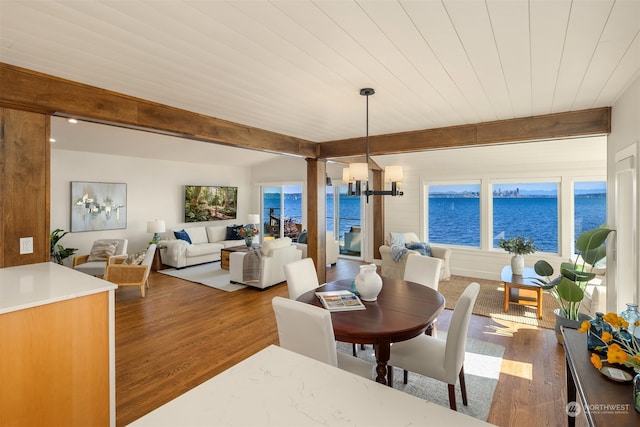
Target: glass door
{"type": "Point", "coordinates": [349, 222]}
{"type": "Point", "coordinates": [282, 211]}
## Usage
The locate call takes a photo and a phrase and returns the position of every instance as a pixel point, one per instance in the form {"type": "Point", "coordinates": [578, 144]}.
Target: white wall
{"type": "Point", "coordinates": [625, 124]}
{"type": "Point", "coordinates": [155, 190]}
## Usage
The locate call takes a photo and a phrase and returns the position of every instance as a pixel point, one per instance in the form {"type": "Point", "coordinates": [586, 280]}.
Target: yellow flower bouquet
{"type": "Point", "coordinates": [621, 347]}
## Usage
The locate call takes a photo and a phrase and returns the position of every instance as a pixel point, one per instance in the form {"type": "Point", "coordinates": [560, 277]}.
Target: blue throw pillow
{"type": "Point", "coordinates": [303, 237]}
{"type": "Point", "coordinates": [233, 232]}
{"type": "Point", "coordinates": [182, 235]}
{"type": "Point", "coordinates": [420, 247]}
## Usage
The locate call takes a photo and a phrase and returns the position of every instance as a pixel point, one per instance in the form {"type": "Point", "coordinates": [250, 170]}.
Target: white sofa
{"type": "Point", "coordinates": [393, 269]}
{"type": "Point", "coordinates": [206, 244]}
{"type": "Point", "coordinates": [595, 293]}
{"type": "Point", "coordinates": [333, 249]}
{"type": "Point", "coordinates": [275, 254]}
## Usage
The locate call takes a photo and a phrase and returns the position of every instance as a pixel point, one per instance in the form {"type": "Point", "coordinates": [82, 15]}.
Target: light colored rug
{"type": "Point", "coordinates": [206, 274]}
{"type": "Point", "coordinates": [490, 302]}
{"type": "Point", "coordinates": [481, 367]}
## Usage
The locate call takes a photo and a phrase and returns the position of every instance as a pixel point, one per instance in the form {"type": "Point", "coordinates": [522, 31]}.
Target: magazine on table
{"type": "Point", "coordinates": [340, 300]}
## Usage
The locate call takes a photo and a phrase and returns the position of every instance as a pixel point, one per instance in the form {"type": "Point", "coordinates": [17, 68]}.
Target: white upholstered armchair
{"type": "Point", "coordinates": [393, 269]}
{"type": "Point", "coordinates": [274, 255]}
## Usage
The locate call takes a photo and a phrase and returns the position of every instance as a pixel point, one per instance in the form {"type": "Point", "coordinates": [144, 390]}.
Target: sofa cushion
{"type": "Point", "coordinates": [216, 233]}
{"type": "Point", "coordinates": [269, 245]}
{"type": "Point", "coordinates": [421, 247]}
{"type": "Point", "coordinates": [409, 237]}
{"type": "Point", "coordinates": [182, 235]}
{"type": "Point", "coordinates": [101, 250]}
{"type": "Point", "coordinates": [203, 249]}
{"type": "Point", "coordinates": [233, 232]}
{"type": "Point", "coordinates": [197, 235]}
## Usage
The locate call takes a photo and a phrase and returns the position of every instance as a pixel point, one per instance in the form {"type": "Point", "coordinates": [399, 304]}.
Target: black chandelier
{"type": "Point", "coordinates": [357, 173]}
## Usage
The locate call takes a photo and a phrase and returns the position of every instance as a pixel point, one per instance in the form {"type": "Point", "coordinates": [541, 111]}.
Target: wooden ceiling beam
{"type": "Point", "coordinates": [596, 121]}
{"type": "Point", "coordinates": [29, 90]}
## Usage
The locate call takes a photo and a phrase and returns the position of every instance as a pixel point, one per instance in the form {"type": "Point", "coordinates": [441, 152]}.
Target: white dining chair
{"type": "Point", "coordinates": [308, 330]}
{"type": "Point", "coordinates": [440, 359]}
{"type": "Point", "coordinates": [424, 270]}
{"type": "Point", "coordinates": [301, 277]}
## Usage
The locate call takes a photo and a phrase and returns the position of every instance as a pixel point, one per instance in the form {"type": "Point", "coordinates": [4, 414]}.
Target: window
{"type": "Point", "coordinates": [526, 209]}
{"type": "Point", "coordinates": [349, 222]}
{"type": "Point", "coordinates": [282, 211]}
{"type": "Point", "coordinates": [589, 205]}
{"type": "Point", "coordinates": [454, 214]}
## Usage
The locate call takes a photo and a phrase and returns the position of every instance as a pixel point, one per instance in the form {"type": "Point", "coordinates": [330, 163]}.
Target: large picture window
{"type": "Point", "coordinates": [454, 214]}
{"type": "Point", "coordinates": [526, 209]}
{"type": "Point", "coordinates": [589, 205]}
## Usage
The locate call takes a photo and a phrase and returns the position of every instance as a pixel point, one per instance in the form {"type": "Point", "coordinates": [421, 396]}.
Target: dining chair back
{"type": "Point", "coordinates": [440, 359]}
{"type": "Point", "coordinates": [308, 330]}
{"type": "Point", "coordinates": [301, 277]}
{"type": "Point", "coordinates": [424, 270]}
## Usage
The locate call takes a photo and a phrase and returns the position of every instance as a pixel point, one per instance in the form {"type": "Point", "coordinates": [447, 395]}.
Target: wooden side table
{"type": "Point", "coordinates": [157, 259]}
{"type": "Point", "coordinates": [225, 252]}
{"type": "Point", "coordinates": [514, 282]}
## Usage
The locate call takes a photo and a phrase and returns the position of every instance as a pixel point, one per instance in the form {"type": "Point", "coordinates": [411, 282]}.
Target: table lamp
{"type": "Point", "coordinates": [156, 227]}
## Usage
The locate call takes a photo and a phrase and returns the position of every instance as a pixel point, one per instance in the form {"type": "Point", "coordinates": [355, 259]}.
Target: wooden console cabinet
{"type": "Point", "coordinates": [57, 364]}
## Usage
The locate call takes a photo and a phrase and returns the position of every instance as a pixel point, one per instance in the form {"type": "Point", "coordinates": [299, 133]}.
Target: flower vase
{"type": "Point", "coordinates": [632, 316]}
{"type": "Point", "coordinates": [248, 241]}
{"type": "Point", "coordinates": [636, 391]}
{"type": "Point", "coordinates": [368, 283]}
{"type": "Point", "coordinates": [517, 265]}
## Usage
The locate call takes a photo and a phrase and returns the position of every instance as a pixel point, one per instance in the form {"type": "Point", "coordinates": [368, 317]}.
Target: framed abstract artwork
{"type": "Point", "coordinates": [98, 206]}
{"type": "Point", "coordinates": [209, 203]}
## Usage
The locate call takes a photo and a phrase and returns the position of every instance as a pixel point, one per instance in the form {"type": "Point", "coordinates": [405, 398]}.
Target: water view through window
{"type": "Point", "coordinates": [454, 214]}
{"type": "Point", "coordinates": [528, 209]}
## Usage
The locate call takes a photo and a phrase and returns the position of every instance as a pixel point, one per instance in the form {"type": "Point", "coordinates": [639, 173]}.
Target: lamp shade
{"type": "Point", "coordinates": [393, 174]}
{"type": "Point", "coordinates": [156, 226]}
{"type": "Point", "coordinates": [359, 171]}
{"type": "Point", "coordinates": [253, 219]}
{"type": "Point", "coordinates": [346, 176]}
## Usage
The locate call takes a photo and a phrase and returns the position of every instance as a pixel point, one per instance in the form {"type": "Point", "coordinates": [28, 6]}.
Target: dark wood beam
{"type": "Point", "coordinates": [317, 216]}
{"type": "Point", "coordinates": [29, 90]}
{"type": "Point", "coordinates": [596, 121]}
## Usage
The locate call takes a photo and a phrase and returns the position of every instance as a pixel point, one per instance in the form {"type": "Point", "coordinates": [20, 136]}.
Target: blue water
{"type": "Point", "coordinates": [349, 214]}
{"type": "Point", "coordinates": [456, 221]}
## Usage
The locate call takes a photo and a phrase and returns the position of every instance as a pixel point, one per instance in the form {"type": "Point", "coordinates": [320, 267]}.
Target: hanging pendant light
{"type": "Point", "coordinates": [357, 173]}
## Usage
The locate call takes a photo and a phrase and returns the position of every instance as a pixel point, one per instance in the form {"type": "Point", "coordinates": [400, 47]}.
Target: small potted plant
{"type": "Point", "coordinates": [517, 246]}
{"type": "Point", "coordinates": [58, 252]}
{"type": "Point", "coordinates": [248, 232]}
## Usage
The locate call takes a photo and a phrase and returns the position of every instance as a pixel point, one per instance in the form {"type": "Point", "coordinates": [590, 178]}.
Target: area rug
{"type": "Point", "coordinates": [490, 302]}
{"type": "Point", "coordinates": [205, 274]}
{"type": "Point", "coordinates": [481, 367]}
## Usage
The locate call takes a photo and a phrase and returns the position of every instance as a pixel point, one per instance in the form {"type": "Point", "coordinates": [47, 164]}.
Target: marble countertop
{"type": "Point", "coordinates": [276, 387]}
{"type": "Point", "coordinates": [33, 285]}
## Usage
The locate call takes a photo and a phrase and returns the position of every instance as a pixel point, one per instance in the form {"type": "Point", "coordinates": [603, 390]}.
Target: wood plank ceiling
{"type": "Point", "coordinates": [295, 68]}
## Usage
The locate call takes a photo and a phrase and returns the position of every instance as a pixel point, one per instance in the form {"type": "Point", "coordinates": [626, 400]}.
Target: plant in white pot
{"type": "Point", "coordinates": [568, 288]}
{"type": "Point", "coordinates": [517, 246]}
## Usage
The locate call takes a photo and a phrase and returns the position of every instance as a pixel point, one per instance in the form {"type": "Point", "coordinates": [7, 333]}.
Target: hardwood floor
{"type": "Point", "coordinates": [182, 334]}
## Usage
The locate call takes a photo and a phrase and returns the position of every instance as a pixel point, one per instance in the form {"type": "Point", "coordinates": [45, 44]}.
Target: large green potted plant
{"type": "Point", "coordinates": [58, 252]}
{"type": "Point", "coordinates": [517, 246]}
{"type": "Point", "coordinates": [568, 288]}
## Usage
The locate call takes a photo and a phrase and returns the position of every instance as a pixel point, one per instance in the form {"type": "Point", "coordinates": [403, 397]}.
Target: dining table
{"type": "Point", "coordinates": [403, 310]}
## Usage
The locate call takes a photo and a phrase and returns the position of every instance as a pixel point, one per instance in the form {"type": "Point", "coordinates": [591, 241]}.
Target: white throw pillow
{"type": "Point", "coordinates": [197, 235]}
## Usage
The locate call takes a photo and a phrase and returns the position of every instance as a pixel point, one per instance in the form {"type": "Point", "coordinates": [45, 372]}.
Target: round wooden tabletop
{"type": "Point", "coordinates": [403, 310]}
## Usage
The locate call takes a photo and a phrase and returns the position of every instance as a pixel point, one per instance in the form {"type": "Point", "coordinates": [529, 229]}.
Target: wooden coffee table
{"type": "Point", "coordinates": [225, 252]}
{"type": "Point", "coordinates": [514, 283]}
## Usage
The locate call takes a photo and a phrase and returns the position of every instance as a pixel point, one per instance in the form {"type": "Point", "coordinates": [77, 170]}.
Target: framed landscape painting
{"type": "Point", "coordinates": [98, 206]}
{"type": "Point", "coordinates": [209, 203]}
